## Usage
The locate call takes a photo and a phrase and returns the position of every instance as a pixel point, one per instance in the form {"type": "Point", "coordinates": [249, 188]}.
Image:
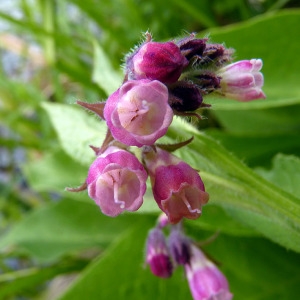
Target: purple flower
{"type": "Point", "coordinates": [138, 113]}
{"type": "Point", "coordinates": [177, 187]}
{"type": "Point", "coordinates": [116, 181]}
{"type": "Point", "coordinates": [156, 61]}
{"type": "Point", "coordinates": [242, 80]}
{"type": "Point", "coordinates": [205, 280]}
{"type": "Point", "coordinates": [157, 254]}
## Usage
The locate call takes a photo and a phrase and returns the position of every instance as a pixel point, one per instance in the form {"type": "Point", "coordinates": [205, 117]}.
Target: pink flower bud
{"type": "Point", "coordinates": [138, 113]}
{"type": "Point", "coordinates": [157, 254]}
{"type": "Point", "coordinates": [242, 80]}
{"type": "Point", "coordinates": [205, 280]}
{"type": "Point", "coordinates": [162, 220]}
{"type": "Point", "coordinates": [177, 187]}
{"type": "Point", "coordinates": [117, 182]}
{"type": "Point", "coordinates": [157, 61]}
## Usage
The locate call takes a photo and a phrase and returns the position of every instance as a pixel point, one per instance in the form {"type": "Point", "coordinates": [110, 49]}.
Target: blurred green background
{"type": "Point", "coordinates": [58, 245]}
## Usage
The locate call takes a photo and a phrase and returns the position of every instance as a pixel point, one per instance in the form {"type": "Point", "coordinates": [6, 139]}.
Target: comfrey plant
{"type": "Point", "coordinates": [163, 80]}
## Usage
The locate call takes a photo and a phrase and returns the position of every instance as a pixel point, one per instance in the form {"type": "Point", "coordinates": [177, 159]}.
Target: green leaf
{"type": "Point", "coordinates": [18, 282]}
{"type": "Point", "coordinates": [76, 130]}
{"type": "Point", "coordinates": [119, 273]}
{"type": "Point", "coordinates": [285, 173]}
{"type": "Point", "coordinates": [264, 37]}
{"type": "Point", "coordinates": [58, 228]}
{"type": "Point", "coordinates": [104, 74]}
{"type": "Point", "coordinates": [256, 268]}
{"type": "Point", "coordinates": [242, 193]}
{"type": "Point", "coordinates": [57, 170]}
{"type": "Point", "coordinates": [256, 278]}
{"type": "Point", "coordinates": [257, 150]}
{"type": "Point", "coordinates": [215, 219]}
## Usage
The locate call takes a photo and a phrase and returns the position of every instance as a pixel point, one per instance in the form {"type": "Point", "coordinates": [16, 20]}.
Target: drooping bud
{"type": "Point", "coordinates": [177, 187]}
{"type": "Point", "coordinates": [205, 280]}
{"type": "Point", "coordinates": [191, 47]}
{"type": "Point", "coordinates": [138, 113]}
{"type": "Point", "coordinates": [207, 82]}
{"type": "Point", "coordinates": [162, 221]}
{"type": "Point", "coordinates": [242, 80]}
{"type": "Point", "coordinates": [179, 246]}
{"type": "Point", "coordinates": [157, 254]}
{"type": "Point", "coordinates": [184, 96]}
{"type": "Point", "coordinates": [156, 61]}
{"type": "Point", "coordinates": [116, 181]}
{"type": "Point", "coordinates": [216, 55]}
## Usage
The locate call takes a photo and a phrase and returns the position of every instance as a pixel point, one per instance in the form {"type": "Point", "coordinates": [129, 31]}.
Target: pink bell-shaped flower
{"type": "Point", "coordinates": [177, 187]}
{"type": "Point", "coordinates": [205, 280]}
{"type": "Point", "coordinates": [242, 80]}
{"type": "Point", "coordinates": [116, 181]}
{"type": "Point", "coordinates": [138, 113]}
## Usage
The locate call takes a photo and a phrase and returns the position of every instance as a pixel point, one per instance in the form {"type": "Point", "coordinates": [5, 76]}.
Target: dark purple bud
{"type": "Point", "coordinates": [207, 82]}
{"type": "Point", "coordinates": [179, 246]}
{"type": "Point", "coordinates": [216, 54]}
{"type": "Point", "coordinates": [157, 254]}
{"type": "Point", "coordinates": [191, 47]}
{"type": "Point", "coordinates": [184, 96]}
{"type": "Point", "coordinates": [213, 51]}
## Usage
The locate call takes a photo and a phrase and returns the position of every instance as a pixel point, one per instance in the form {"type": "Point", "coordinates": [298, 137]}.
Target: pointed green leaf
{"type": "Point", "coordinates": [285, 173]}
{"type": "Point", "coordinates": [104, 74]}
{"type": "Point", "coordinates": [76, 130]}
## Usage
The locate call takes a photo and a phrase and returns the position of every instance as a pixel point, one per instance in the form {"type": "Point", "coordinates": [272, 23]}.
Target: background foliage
{"type": "Point", "coordinates": [57, 245]}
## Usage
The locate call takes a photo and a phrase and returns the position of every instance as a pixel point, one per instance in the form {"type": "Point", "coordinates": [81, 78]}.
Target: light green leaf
{"type": "Point", "coordinates": [104, 74]}
{"type": "Point", "coordinates": [54, 172]}
{"type": "Point", "coordinates": [285, 173]}
{"type": "Point", "coordinates": [76, 130]}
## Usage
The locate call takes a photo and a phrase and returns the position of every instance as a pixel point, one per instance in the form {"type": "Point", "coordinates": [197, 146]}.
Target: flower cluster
{"type": "Point", "coordinates": [205, 280]}
{"type": "Point", "coordinates": [163, 80]}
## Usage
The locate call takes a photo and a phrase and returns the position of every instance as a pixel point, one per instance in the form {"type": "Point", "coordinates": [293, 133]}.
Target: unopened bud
{"type": "Point", "coordinates": [157, 254]}
{"type": "Point", "coordinates": [184, 96]}
{"type": "Point", "coordinates": [156, 61]}
{"type": "Point", "coordinates": [191, 47]}
{"type": "Point", "coordinates": [205, 280]}
{"type": "Point", "coordinates": [179, 245]}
